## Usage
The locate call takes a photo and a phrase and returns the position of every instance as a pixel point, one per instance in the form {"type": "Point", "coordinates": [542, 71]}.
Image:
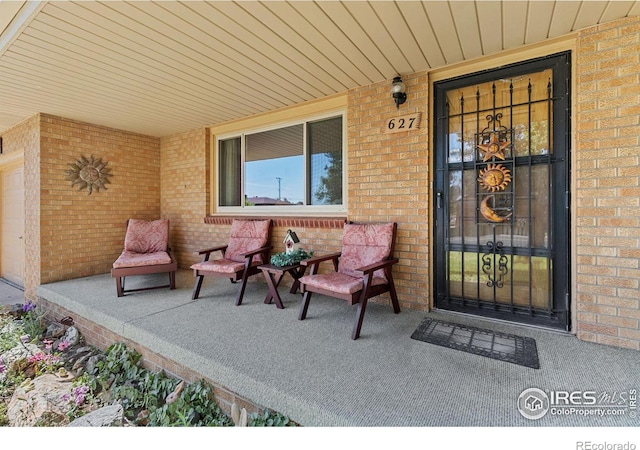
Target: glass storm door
{"type": "Point", "coordinates": [501, 194]}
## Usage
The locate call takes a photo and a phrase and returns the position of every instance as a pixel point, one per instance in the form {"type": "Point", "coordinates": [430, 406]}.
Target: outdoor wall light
{"type": "Point", "coordinates": [398, 89]}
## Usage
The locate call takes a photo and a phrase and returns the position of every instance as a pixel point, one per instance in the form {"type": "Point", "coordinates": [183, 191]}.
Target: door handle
{"type": "Point", "coordinates": [439, 199]}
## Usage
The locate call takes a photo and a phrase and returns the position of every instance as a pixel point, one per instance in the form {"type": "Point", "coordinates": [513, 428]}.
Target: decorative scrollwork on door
{"type": "Point", "coordinates": [495, 274]}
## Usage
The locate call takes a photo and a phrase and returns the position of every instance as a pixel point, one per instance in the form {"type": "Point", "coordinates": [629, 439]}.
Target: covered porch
{"type": "Point", "coordinates": [314, 373]}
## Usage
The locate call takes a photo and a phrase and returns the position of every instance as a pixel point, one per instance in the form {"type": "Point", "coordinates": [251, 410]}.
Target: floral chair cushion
{"type": "Point", "coordinates": [134, 259]}
{"type": "Point", "coordinates": [364, 244]}
{"type": "Point", "coordinates": [245, 236]}
{"type": "Point", "coordinates": [338, 282]}
{"type": "Point", "coordinates": [221, 266]}
{"type": "Point", "coordinates": [147, 236]}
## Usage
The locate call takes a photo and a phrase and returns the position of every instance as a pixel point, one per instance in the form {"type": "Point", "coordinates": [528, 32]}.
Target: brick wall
{"type": "Point", "coordinates": [388, 178]}
{"type": "Point", "coordinates": [185, 194]}
{"type": "Point", "coordinates": [607, 183]}
{"type": "Point", "coordinates": [81, 234]}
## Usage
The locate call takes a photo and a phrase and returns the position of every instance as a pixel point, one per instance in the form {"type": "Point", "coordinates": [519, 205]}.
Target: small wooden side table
{"type": "Point", "coordinates": [273, 274]}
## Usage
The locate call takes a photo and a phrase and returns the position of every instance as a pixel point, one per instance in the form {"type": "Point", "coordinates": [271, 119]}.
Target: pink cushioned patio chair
{"type": "Point", "coordinates": [248, 247]}
{"type": "Point", "coordinates": [362, 270]}
{"type": "Point", "coordinates": [146, 251]}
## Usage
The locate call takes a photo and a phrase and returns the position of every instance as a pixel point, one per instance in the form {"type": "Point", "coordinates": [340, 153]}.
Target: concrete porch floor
{"type": "Point", "coordinates": [9, 293]}
{"type": "Point", "coordinates": [314, 373]}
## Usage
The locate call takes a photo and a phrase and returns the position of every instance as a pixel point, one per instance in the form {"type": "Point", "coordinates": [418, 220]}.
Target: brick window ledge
{"type": "Point", "coordinates": [299, 222]}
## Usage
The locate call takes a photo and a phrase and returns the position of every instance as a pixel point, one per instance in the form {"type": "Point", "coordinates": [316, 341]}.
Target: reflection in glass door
{"type": "Point", "coordinates": [501, 193]}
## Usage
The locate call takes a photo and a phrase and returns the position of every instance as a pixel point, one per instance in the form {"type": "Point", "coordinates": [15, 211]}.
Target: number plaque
{"type": "Point", "coordinates": [403, 123]}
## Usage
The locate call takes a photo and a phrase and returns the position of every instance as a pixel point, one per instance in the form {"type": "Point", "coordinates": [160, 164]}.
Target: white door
{"type": "Point", "coordinates": [12, 234]}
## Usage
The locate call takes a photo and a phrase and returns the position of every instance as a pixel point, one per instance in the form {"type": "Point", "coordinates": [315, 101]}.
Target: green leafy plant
{"type": "Point", "coordinates": [269, 419]}
{"type": "Point", "coordinates": [194, 407]}
{"type": "Point", "coordinates": [283, 259]}
{"type": "Point", "coordinates": [138, 389]}
{"type": "Point", "coordinates": [147, 392]}
{"type": "Point", "coordinates": [119, 365]}
{"type": "Point", "coordinates": [33, 321]}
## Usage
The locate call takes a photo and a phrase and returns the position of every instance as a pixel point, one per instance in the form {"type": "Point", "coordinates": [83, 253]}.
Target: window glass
{"type": "Point", "coordinates": [274, 167]}
{"type": "Point", "coordinates": [229, 176]}
{"type": "Point", "coordinates": [325, 165]}
{"type": "Point", "coordinates": [298, 165]}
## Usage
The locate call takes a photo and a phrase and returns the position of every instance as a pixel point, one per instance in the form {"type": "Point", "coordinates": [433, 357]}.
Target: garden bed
{"type": "Point", "coordinates": [76, 380]}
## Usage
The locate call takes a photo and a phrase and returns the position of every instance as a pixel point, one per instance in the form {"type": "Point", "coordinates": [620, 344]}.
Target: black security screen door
{"type": "Point", "coordinates": [501, 196]}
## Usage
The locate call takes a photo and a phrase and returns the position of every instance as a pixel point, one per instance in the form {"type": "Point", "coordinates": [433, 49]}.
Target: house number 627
{"type": "Point", "coordinates": [403, 123]}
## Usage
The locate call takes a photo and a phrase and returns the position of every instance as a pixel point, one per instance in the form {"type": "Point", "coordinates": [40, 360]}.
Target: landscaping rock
{"type": "Point", "coordinates": [80, 363]}
{"type": "Point", "coordinates": [54, 330]}
{"type": "Point", "coordinates": [72, 355]}
{"type": "Point", "coordinates": [17, 353]}
{"type": "Point", "coordinates": [72, 336]}
{"type": "Point", "coordinates": [42, 397]}
{"type": "Point", "coordinates": [92, 361]}
{"type": "Point", "coordinates": [108, 416]}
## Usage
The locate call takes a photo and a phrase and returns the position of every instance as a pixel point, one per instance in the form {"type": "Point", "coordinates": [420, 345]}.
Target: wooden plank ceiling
{"type": "Point", "coordinates": [160, 68]}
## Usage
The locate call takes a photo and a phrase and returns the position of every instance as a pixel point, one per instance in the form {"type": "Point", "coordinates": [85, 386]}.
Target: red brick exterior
{"type": "Point", "coordinates": [388, 176]}
{"type": "Point", "coordinates": [607, 184]}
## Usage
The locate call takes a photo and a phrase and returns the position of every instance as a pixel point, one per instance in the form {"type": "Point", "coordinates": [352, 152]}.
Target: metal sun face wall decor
{"type": "Point", "coordinates": [493, 178]}
{"type": "Point", "coordinates": [92, 174]}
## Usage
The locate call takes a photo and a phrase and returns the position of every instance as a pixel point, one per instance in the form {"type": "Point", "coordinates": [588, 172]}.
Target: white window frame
{"type": "Point", "coordinates": [284, 210]}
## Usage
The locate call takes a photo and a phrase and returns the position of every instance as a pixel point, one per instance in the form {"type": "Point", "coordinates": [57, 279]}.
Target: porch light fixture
{"type": "Point", "coordinates": [398, 89]}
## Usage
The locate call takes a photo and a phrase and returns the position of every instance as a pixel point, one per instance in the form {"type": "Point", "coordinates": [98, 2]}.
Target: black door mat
{"type": "Point", "coordinates": [492, 344]}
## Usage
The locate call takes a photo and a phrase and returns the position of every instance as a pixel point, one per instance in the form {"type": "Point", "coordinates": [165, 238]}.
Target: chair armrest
{"type": "Point", "coordinates": [212, 249]}
{"type": "Point", "coordinates": [375, 266]}
{"type": "Point", "coordinates": [257, 251]}
{"type": "Point", "coordinates": [319, 259]}
{"type": "Point", "coordinates": [315, 262]}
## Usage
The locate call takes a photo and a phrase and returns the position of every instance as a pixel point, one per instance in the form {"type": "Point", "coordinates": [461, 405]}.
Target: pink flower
{"type": "Point", "coordinates": [63, 345]}
{"type": "Point", "coordinates": [48, 344]}
{"type": "Point", "coordinates": [37, 357]}
{"type": "Point", "coordinates": [79, 399]}
{"type": "Point", "coordinates": [81, 390]}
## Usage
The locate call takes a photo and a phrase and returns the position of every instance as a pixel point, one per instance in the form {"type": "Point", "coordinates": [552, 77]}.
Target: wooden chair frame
{"type": "Point", "coordinates": [360, 297]}
{"type": "Point", "coordinates": [249, 269]}
{"type": "Point", "coordinates": [122, 272]}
